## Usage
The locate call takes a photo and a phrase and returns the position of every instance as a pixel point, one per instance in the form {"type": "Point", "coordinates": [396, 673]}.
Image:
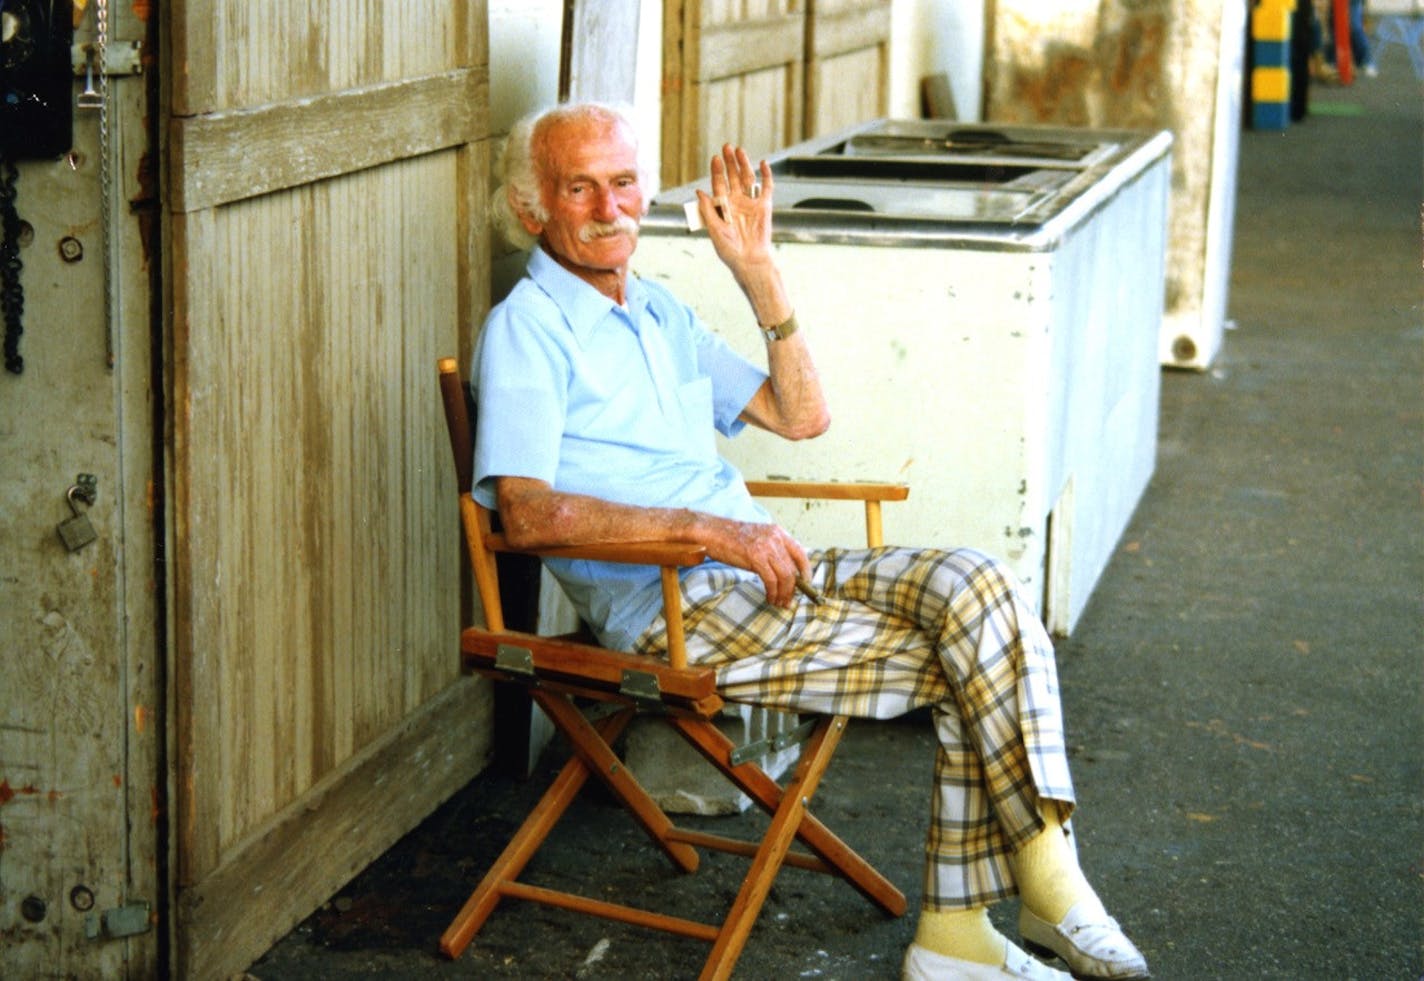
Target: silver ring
{"type": "Point", "coordinates": [754, 191]}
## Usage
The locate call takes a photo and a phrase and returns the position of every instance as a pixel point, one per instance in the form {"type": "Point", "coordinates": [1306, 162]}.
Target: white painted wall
{"type": "Point", "coordinates": [929, 36]}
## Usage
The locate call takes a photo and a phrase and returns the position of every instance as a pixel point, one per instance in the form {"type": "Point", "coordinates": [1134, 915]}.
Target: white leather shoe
{"type": "Point", "coordinates": [923, 964]}
{"type": "Point", "coordinates": [1089, 940]}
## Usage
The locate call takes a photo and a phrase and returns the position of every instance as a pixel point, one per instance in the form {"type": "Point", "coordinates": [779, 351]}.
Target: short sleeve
{"type": "Point", "coordinates": [520, 383]}
{"type": "Point", "coordinates": [734, 381]}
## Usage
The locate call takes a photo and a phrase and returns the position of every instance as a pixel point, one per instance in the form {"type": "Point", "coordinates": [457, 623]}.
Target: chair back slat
{"type": "Point", "coordinates": [473, 517]}
{"type": "Point", "coordinates": [457, 422]}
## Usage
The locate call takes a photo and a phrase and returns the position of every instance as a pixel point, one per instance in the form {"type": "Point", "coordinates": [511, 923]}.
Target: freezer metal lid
{"type": "Point", "coordinates": [891, 180]}
{"type": "Point", "coordinates": [912, 139]}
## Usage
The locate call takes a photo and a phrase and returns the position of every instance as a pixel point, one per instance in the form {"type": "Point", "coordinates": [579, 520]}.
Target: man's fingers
{"type": "Point", "coordinates": [719, 177]}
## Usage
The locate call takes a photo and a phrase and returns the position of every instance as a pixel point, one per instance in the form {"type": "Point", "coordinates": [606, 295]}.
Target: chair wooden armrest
{"type": "Point", "coordinates": [586, 668]}
{"type": "Point", "coordinates": [872, 494]}
{"type": "Point", "coordinates": [676, 554]}
{"type": "Point", "coordinates": [829, 490]}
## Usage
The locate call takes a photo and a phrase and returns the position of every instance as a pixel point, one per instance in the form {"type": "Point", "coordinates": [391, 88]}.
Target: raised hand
{"type": "Point", "coordinates": [737, 214]}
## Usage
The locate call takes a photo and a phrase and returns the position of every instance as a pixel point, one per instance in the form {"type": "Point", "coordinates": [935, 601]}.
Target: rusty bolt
{"type": "Point", "coordinates": [81, 898]}
{"type": "Point", "coordinates": [71, 249]}
{"type": "Point", "coordinates": [32, 908]}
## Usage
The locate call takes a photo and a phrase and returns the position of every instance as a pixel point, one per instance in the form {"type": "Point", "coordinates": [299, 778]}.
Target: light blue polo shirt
{"type": "Point", "coordinates": [615, 403]}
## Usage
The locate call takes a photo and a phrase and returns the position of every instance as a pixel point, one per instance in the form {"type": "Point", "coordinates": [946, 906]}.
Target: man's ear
{"type": "Point", "coordinates": [531, 224]}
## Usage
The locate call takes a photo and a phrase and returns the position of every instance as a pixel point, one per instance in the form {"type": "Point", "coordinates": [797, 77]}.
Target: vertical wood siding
{"type": "Point", "coordinates": [324, 534]}
{"type": "Point", "coordinates": [767, 74]}
{"type": "Point", "coordinates": [326, 173]}
{"type": "Point", "coordinates": [847, 63]}
{"type": "Point", "coordinates": [733, 71]}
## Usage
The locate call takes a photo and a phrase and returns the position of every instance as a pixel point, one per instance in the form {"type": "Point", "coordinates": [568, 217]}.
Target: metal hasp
{"type": "Point", "coordinates": [120, 58]}
{"type": "Point", "coordinates": [772, 744]}
{"type": "Point", "coordinates": [517, 662]}
{"type": "Point", "coordinates": [121, 921]}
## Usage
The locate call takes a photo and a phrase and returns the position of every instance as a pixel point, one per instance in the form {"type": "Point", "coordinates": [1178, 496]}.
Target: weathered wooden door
{"type": "Point", "coordinates": [847, 63]}
{"type": "Point", "coordinates": [327, 174]}
{"type": "Point", "coordinates": [733, 71]}
{"type": "Point", "coordinates": [80, 673]}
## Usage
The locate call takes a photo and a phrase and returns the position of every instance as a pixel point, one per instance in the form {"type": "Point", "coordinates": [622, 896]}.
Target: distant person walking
{"type": "Point", "coordinates": [1360, 55]}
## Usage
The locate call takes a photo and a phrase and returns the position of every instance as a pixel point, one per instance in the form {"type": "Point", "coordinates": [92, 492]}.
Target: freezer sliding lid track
{"type": "Point", "coordinates": [891, 181]}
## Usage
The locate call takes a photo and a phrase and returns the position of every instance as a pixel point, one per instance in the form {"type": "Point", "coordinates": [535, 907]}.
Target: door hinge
{"type": "Point", "coordinates": [128, 920]}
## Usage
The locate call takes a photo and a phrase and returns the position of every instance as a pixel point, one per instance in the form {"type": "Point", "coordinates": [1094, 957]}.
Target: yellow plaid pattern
{"type": "Point", "coordinates": [901, 629]}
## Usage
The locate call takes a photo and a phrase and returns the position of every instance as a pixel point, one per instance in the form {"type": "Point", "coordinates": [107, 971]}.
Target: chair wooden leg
{"type": "Point", "coordinates": [605, 764]}
{"type": "Point", "coordinates": [753, 781]}
{"type": "Point", "coordinates": [789, 821]}
{"type": "Point", "coordinates": [775, 843]}
{"type": "Point", "coordinates": [522, 846]}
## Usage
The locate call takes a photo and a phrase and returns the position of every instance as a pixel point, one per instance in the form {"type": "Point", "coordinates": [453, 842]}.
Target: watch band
{"type": "Point", "coordinates": [781, 331]}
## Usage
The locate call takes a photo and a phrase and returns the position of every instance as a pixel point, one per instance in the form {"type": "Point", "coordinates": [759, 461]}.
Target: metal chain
{"type": "Point", "coordinates": [12, 294]}
{"type": "Point", "coordinates": [101, 12]}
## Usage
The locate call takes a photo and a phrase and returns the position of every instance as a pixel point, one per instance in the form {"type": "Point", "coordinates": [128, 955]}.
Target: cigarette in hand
{"type": "Point", "coordinates": [804, 587]}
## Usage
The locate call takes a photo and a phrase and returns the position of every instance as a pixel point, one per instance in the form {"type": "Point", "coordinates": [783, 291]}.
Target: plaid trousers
{"type": "Point", "coordinates": [903, 628]}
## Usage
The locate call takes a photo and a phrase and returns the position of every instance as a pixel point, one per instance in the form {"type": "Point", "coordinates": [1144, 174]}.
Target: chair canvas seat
{"type": "Point", "coordinates": [562, 674]}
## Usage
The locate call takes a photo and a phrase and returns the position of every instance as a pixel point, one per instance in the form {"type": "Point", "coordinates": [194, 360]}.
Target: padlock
{"type": "Point", "coordinates": [78, 531]}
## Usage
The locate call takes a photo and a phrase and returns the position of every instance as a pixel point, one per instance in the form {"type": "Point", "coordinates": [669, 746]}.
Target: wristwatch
{"type": "Point", "coordinates": [781, 331]}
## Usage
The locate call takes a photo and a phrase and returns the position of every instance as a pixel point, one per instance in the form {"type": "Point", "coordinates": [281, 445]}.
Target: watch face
{"type": "Point", "coordinates": [781, 331]}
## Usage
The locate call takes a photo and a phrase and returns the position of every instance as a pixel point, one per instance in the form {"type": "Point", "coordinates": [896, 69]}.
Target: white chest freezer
{"type": "Point", "coordinates": [984, 306]}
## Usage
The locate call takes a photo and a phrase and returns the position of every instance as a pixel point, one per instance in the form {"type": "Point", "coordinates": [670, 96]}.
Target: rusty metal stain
{"type": "Point", "coordinates": [1118, 77]}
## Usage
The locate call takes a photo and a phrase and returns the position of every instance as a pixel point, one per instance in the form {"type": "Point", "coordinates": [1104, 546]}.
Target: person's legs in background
{"type": "Point", "coordinates": [1359, 41]}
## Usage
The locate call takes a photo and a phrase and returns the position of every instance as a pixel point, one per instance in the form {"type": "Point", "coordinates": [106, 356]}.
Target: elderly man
{"type": "Point", "coordinates": [598, 396]}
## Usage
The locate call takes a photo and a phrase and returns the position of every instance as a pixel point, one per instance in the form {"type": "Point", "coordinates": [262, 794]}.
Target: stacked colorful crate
{"type": "Point", "coordinates": [1270, 58]}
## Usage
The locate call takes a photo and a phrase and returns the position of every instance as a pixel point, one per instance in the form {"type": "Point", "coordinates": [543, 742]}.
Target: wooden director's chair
{"type": "Point", "coordinates": [560, 670]}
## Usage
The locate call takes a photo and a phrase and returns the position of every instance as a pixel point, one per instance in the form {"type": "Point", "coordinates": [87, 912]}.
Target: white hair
{"type": "Point", "coordinates": [520, 188]}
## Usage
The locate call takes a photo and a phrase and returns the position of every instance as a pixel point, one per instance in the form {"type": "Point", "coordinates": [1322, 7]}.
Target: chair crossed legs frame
{"type": "Point", "coordinates": [559, 670]}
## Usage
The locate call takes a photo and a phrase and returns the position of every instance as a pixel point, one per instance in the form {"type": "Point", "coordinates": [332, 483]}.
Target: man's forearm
{"type": "Point", "coordinates": [535, 515]}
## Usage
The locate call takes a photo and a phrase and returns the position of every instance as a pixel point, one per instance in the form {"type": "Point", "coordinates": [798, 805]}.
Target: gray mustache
{"type": "Point", "coordinates": [622, 225]}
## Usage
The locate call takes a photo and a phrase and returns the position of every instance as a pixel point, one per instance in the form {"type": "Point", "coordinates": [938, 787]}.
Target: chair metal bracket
{"type": "Point", "coordinates": [772, 744]}
{"type": "Point", "coordinates": [517, 662]}
{"type": "Point", "coordinates": [643, 688]}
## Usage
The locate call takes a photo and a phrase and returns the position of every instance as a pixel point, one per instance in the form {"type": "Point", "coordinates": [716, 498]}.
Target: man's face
{"type": "Point", "coordinates": [589, 184]}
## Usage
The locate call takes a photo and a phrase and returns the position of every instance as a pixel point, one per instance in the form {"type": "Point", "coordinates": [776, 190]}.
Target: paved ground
{"type": "Point", "coordinates": [1243, 695]}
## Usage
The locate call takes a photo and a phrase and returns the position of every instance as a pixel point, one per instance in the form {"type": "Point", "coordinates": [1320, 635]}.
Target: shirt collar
{"type": "Point", "coordinates": [583, 306]}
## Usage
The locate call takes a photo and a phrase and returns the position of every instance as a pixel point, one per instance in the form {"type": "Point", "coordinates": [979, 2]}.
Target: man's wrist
{"type": "Point", "coordinates": [781, 331]}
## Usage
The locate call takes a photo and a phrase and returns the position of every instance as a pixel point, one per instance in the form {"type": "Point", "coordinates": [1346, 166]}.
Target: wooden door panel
{"type": "Point", "coordinates": [847, 63]}
{"type": "Point", "coordinates": [733, 72]}
{"type": "Point", "coordinates": [327, 243]}
{"type": "Point", "coordinates": [81, 731]}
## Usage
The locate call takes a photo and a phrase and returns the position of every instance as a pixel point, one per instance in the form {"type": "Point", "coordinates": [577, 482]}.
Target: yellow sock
{"type": "Point", "coordinates": [1050, 881]}
{"type": "Point", "coordinates": [963, 933]}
